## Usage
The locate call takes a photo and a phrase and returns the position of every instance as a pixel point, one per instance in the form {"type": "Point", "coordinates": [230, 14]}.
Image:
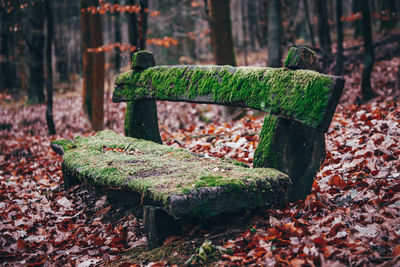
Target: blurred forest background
{"type": "Point", "coordinates": [54, 44]}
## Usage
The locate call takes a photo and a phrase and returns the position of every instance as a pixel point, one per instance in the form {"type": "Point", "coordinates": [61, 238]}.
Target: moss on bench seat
{"type": "Point", "coordinates": [183, 183]}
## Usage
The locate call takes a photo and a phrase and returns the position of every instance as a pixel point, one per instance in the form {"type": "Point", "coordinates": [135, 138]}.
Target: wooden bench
{"type": "Point", "coordinates": [299, 106]}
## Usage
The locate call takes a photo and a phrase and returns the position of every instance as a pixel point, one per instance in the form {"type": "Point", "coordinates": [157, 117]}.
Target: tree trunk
{"type": "Point", "coordinates": [93, 67]}
{"type": "Point", "coordinates": [323, 26]}
{"type": "Point", "coordinates": [222, 41]}
{"type": "Point", "coordinates": [339, 28]}
{"type": "Point", "coordinates": [6, 82]}
{"type": "Point", "coordinates": [49, 69]}
{"type": "Point", "coordinates": [253, 23]}
{"type": "Point", "coordinates": [356, 7]}
{"type": "Point", "coordinates": [308, 21]}
{"type": "Point", "coordinates": [144, 5]}
{"type": "Point", "coordinates": [132, 27]}
{"type": "Point", "coordinates": [245, 33]}
{"type": "Point", "coordinates": [36, 45]}
{"type": "Point", "coordinates": [265, 22]}
{"type": "Point", "coordinates": [61, 40]}
{"type": "Point", "coordinates": [221, 33]}
{"type": "Point", "coordinates": [136, 124]}
{"type": "Point", "coordinates": [369, 55]}
{"type": "Point", "coordinates": [117, 38]}
{"type": "Point", "coordinates": [274, 33]}
{"type": "Point", "coordinates": [291, 33]}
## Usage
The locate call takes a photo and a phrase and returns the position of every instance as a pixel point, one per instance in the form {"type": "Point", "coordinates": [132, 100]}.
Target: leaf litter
{"type": "Point", "coordinates": [350, 218]}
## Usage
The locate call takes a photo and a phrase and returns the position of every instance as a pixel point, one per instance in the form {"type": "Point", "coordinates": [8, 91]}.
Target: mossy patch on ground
{"type": "Point", "coordinates": [299, 94]}
{"type": "Point", "coordinates": [181, 182]}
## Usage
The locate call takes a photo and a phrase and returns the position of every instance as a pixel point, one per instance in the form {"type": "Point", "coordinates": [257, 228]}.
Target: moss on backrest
{"type": "Point", "coordinates": [302, 95]}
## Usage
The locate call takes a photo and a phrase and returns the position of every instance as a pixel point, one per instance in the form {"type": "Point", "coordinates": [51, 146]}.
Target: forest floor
{"type": "Point", "coordinates": [350, 218]}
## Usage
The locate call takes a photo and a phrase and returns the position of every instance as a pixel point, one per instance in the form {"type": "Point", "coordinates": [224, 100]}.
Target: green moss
{"type": "Point", "coordinates": [264, 154]}
{"type": "Point", "coordinates": [300, 94]}
{"type": "Point", "coordinates": [290, 55]}
{"type": "Point", "coordinates": [155, 170]}
{"type": "Point", "coordinates": [65, 144]}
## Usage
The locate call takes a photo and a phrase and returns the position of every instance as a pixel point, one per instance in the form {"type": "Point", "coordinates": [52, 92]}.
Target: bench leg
{"type": "Point", "coordinates": [158, 225]}
{"type": "Point", "coordinates": [292, 148]}
{"type": "Point", "coordinates": [141, 120]}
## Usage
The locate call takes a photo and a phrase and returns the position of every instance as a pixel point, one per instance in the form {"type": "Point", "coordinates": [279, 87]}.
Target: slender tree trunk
{"type": "Point", "coordinates": [252, 19]}
{"type": "Point", "coordinates": [356, 7]}
{"type": "Point", "coordinates": [293, 9]}
{"type": "Point", "coordinates": [339, 28]}
{"type": "Point", "coordinates": [117, 37]}
{"type": "Point", "coordinates": [221, 33]}
{"type": "Point", "coordinates": [49, 69]}
{"type": "Point", "coordinates": [308, 21]}
{"type": "Point", "coordinates": [6, 82]}
{"type": "Point", "coordinates": [61, 40]}
{"type": "Point", "coordinates": [245, 33]}
{"type": "Point", "coordinates": [93, 67]}
{"type": "Point", "coordinates": [369, 55]}
{"type": "Point", "coordinates": [323, 26]}
{"type": "Point", "coordinates": [141, 116]}
{"type": "Point", "coordinates": [144, 5]}
{"type": "Point", "coordinates": [132, 27]}
{"type": "Point", "coordinates": [36, 45]}
{"type": "Point", "coordinates": [265, 22]}
{"type": "Point", "coordinates": [222, 41]}
{"type": "Point", "coordinates": [274, 33]}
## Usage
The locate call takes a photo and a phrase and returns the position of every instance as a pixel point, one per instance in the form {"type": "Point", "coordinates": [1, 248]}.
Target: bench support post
{"type": "Point", "coordinates": [141, 115]}
{"type": "Point", "coordinates": [158, 225]}
{"type": "Point", "coordinates": [141, 120]}
{"type": "Point", "coordinates": [292, 148]}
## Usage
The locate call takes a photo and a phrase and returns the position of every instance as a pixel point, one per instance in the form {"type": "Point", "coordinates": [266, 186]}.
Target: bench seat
{"type": "Point", "coordinates": [181, 182]}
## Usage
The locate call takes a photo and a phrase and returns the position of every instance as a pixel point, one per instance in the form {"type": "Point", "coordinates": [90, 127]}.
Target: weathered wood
{"type": "Point", "coordinates": [141, 115]}
{"type": "Point", "coordinates": [301, 58]}
{"type": "Point", "coordinates": [182, 183]}
{"type": "Point", "coordinates": [158, 225]}
{"type": "Point", "coordinates": [292, 148]}
{"type": "Point", "coordinates": [302, 95]}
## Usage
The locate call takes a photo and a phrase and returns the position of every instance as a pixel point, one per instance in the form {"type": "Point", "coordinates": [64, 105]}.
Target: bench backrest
{"type": "Point", "coordinates": [299, 104]}
{"type": "Point", "coordinates": [303, 95]}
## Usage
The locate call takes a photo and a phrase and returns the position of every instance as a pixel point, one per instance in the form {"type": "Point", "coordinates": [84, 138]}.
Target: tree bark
{"type": "Point", "coordinates": [93, 67]}
{"type": "Point", "coordinates": [339, 28]}
{"type": "Point", "coordinates": [323, 26]}
{"type": "Point", "coordinates": [143, 24]}
{"type": "Point", "coordinates": [221, 33]}
{"type": "Point", "coordinates": [36, 45]}
{"type": "Point", "coordinates": [245, 33]}
{"type": "Point", "coordinates": [6, 82]}
{"type": "Point", "coordinates": [117, 38]}
{"type": "Point", "coordinates": [357, 23]}
{"type": "Point", "coordinates": [141, 116]}
{"type": "Point", "coordinates": [264, 24]}
{"type": "Point", "coordinates": [369, 55]}
{"type": "Point", "coordinates": [61, 40]}
{"type": "Point", "coordinates": [49, 69]}
{"type": "Point", "coordinates": [222, 41]}
{"type": "Point", "coordinates": [274, 33]}
{"type": "Point", "coordinates": [133, 27]}
{"type": "Point", "coordinates": [308, 21]}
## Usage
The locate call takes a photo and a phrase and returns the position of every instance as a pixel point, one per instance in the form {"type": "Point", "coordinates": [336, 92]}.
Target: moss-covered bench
{"type": "Point", "coordinates": [299, 106]}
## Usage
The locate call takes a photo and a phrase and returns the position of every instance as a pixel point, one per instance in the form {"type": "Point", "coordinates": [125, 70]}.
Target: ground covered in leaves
{"type": "Point", "coordinates": [350, 218]}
